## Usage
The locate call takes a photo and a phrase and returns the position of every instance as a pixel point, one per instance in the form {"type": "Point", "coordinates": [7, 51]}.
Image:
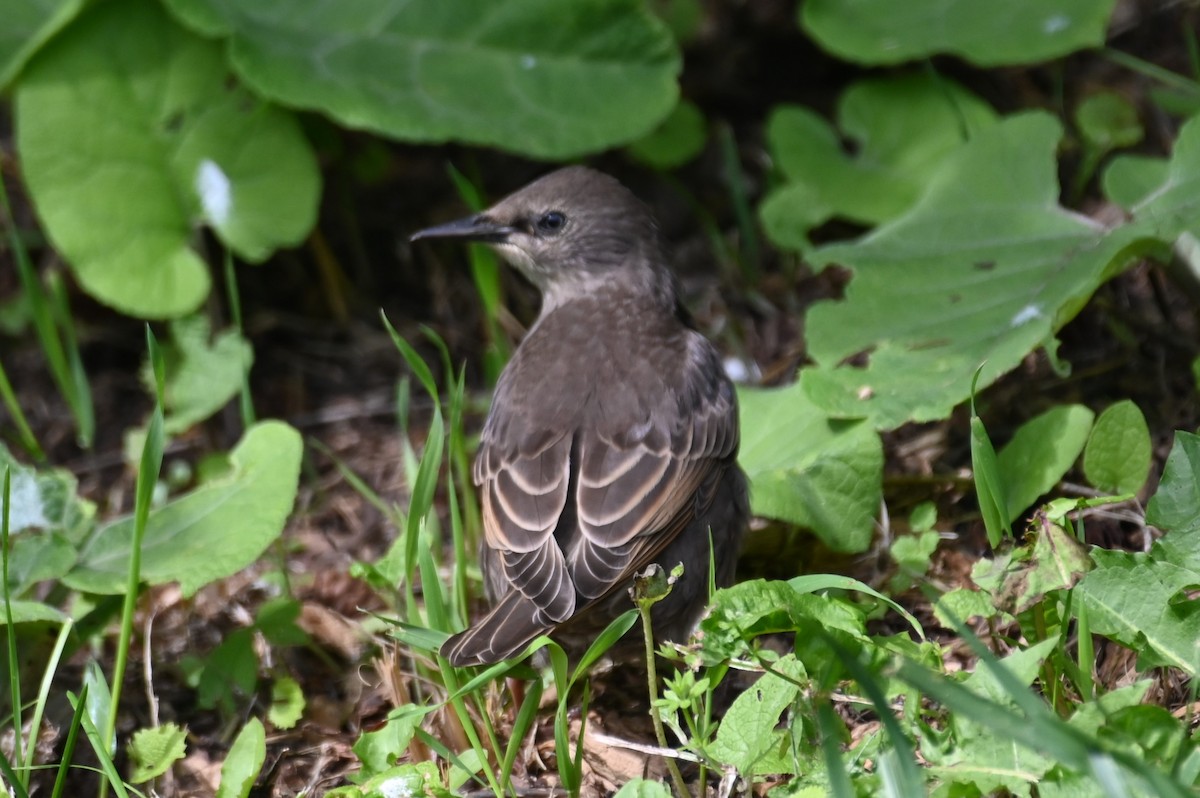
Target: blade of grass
{"type": "Point", "coordinates": [147, 477]}
{"type": "Point", "coordinates": [735, 180]}
{"type": "Point", "coordinates": [246, 402]}
{"type": "Point", "coordinates": [64, 765]}
{"type": "Point", "coordinates": [39, 706]}
{"type": "Point", "coordinates": [11, 778]}
{"type": "Point", "coordinates": [81, 389]}
{"type": "Point", "coordinates": [113, 779]}
{"type": "Point", "coordinates": [835, 767]}
{"type": "Point", "coordinates": [28, 439]}
{"type": "Point", "coordinates": [43, 316]}
{"type": "Point", "coordinates": [14, 676]}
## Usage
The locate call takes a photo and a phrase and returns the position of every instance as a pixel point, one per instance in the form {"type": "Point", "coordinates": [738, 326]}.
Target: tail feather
{"type": "Point", "coordinates": [501, 634]}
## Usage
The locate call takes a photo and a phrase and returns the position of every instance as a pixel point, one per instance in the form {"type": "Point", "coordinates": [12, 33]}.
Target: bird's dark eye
{"type": "Point", "coordinates": [551, 223]}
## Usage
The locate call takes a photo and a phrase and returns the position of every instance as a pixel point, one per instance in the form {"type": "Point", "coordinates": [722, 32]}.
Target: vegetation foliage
{"type": "Point", "coordinates": [158, 141]}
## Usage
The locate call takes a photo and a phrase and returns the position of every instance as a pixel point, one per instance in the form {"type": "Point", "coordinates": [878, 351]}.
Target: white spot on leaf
{"type": "Point", "coordinates": [1056, 24]}
{"type": "Point", "coordinates": [213, 188]}
{"type": "Point", "coordinates": [528, 61]}
{"type": "Point", "coordinates": [1026, 315]}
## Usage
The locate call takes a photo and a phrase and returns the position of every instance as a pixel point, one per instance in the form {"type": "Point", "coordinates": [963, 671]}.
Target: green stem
{"type": "Point", "coordinates": [660, 733]}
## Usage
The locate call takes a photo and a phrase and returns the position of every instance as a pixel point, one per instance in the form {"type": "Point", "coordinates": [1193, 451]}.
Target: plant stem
{"type": "Point", "coordinates": [660, 733]}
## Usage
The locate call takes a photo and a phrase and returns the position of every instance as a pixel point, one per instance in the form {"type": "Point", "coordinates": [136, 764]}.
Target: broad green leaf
{"type": "Point", "coordinates": [37, 557]}
{"type": "Point", "coordinates": [245, 760]}
{"type": "Point", "coordinates": [212, 532]}
{"type": "Point", "coordinates": [980, 757]}
{"type": "Point", "coordinates": [203, 372]}
{"type": "Point", "coordinates": [983, 269]}
{"type": "Point", "coordinates": [901, 128]}
{"type": "Point", "coordinates": [1142, 599]}
{"type": "Point", "coordinates": [749, 731]}
{"type": "Point", "coordinates": [809, 469]}
{"type": "Point", "coordinates": [1117, 457]}
{"type": "Point", "coordinates": [28, 24]}
{"type": "Point", "coordinates": [1041, 451]}
{"type": "Point", "coordinates": [1130, 179]}
{"type": "Point", "coordinates": [230, 672]}
{"type": "Point", "coordinates": [131, 134]}
{"type": "Point", "coordinates": [1176, 503]}
{"type": "Point", "coordinates": [44, 500]}
{"type": "Point", "coordinates": [32, 612]}
{"type": "Point", "coordinates": [379, 749]}
{"type": "Point", "coordinates": [986, 34]}
{"type": "Point", "coordinates": [153, 751]}
{"type": "Point", "coordinates": [548, 78]}
{"type": "Point", "coordinates": [1051, 559]}
{"type": "Point", "coordinates": [1173, 208]}
{"type": "Point", "coordinates": [678, 139]}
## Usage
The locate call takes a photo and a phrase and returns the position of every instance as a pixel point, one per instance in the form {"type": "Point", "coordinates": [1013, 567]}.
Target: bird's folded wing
{"type": "Point", "coordinates": [634, 497]}
{"type": "Point", "coordinates": [524, 495]}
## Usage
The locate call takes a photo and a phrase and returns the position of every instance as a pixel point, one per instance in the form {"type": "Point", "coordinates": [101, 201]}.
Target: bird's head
{"type": "Point", "coordinates": [570, 233]}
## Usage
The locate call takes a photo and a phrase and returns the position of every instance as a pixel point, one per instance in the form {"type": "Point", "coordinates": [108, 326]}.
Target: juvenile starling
{"type": "Point", "coordinates": [612, 437]}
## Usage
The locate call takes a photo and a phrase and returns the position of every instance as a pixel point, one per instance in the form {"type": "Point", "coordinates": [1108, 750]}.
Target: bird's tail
{"type": "Point", "coordinates": [501, 634]}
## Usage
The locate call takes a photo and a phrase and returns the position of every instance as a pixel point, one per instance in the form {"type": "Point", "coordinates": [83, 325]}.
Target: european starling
{"type": "Point", "coordinates": [612, 438]}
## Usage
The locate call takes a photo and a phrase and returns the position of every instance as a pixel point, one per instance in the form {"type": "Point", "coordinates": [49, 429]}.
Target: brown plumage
{"type": "Point", "coordinates": [612, 438]}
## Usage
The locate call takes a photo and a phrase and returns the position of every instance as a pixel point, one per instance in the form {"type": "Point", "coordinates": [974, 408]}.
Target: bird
{"type": "Point", "coordinates": [612, 437]}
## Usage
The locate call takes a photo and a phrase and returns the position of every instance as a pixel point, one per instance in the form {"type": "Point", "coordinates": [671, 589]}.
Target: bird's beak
{"type": "Point", "coordinates": [474, 228]}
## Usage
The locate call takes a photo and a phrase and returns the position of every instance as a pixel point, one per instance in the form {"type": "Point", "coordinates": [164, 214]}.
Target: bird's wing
{"type": "Point", "coordinates": [524, 492]}
{"type": "Point", "coordinates": [637, 490]}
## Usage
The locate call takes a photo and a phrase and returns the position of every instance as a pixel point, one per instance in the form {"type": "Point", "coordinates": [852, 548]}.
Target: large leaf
{"type": "Point", "coordinates": [548, 78]}
{"type": "Point", "coordinates": [44, 501]}
{"type": "Point", "coordinates": [987, 34]}
{"type": "Point", "coordinates": [1040, 453]}
{"type": "Point", "coordinates": [809, 469]}
{"type": "Point", "coordinates": [1144, 599]}
{"type": "Point", "coordinates": [28, 24]}
{"type": "Point", "coordinates": [901, 128]}
{"type": "Point", "coordinates": [982, 270]}
{"type": "Point", "coordinates": [214, 531]}
{"type": "Point", "coordinates": [203, 372]}
{"type": "Point", "coordinates": [1174, 207]}
{"type": "Point", "coordinates": [131, 134]}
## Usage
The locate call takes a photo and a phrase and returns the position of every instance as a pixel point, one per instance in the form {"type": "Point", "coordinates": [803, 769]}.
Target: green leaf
{"type": "Point", "coordinates": [1176, 503]}
{"type": "Point", "coordinates": [287, 703]}
{"type": "Point", "coordinates": [678, 139]}
{"type": "Point", "coordinates": [153, 751]}
{"type": "Point", "coordinates": [126, 104]}
{"type": "Point", "coordinates": [809, 469]}
{"type": "Point", "coordinates": [245, 760]}
{"type": "Point", "coordinates": [749, 730]}
{"type": "Point", "coordinates": [230, 671]}
{"type": "Point", "coordinates": [1117, 457]}
{"type": "Point", "coordinates": [29, 24]}
{"type": "Point", "coordinates": [983, 269]}
{"type": "Point", "coordinates": [986, 34]}
{"type": "Point", "coordinates": [1051, 559]}
{"type": "Point", "coordinates": [44, 500]}
{"type": "Point", "coordinates": [1041, 451]}
{"type": "Point", "coordinates": [1142, 599]}
{"type": "Point", "coordinates": [1130, 179]}
{"type": "Point", "coordinates": [203, 372]}
{"type": "Point", "coordinates": [547, 78]}
{"type": "Point", "coordinates": [380, 749]}
{"type": "Point", "coordinates": [1173, 208]}
{"type": "Point", "coordinates": [1107, 121]}
{"type": "Point", "coordinates": [37, 558]}
{"type": "Point", "coordinates": [276, 619]}
{"type": "Point", "coordinates": [212, 532]}
{"type": "Point", "coordinates": [989, 488]}
{"type": "Point", "coordinates": [643, 788]}
{"type": "Point", "coordinates": [901, 128]}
